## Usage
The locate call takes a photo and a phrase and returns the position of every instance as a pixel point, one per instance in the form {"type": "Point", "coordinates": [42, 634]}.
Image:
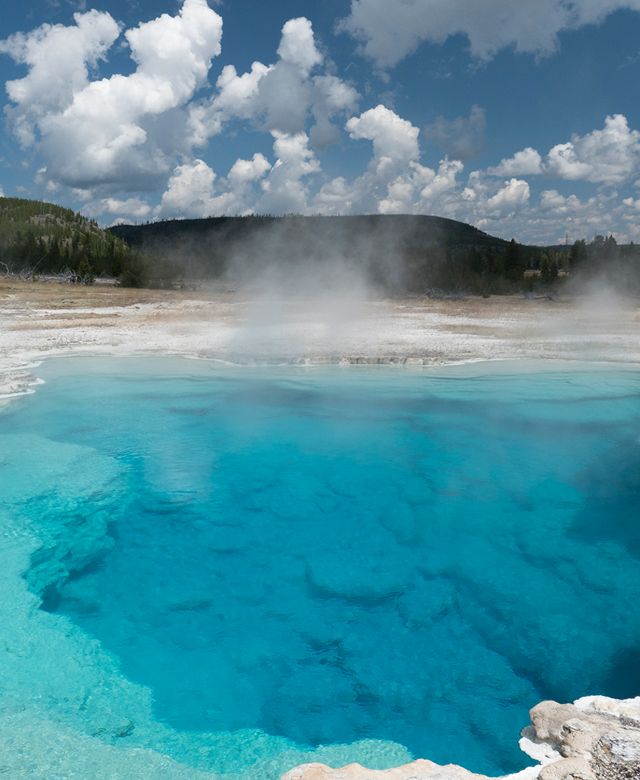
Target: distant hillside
{"type": "Point", "coordinates": [396, 253]}
{"type": "Point", "coordinates": [417, 230]}
{"type": "Point", "coordinates": [42, 238]}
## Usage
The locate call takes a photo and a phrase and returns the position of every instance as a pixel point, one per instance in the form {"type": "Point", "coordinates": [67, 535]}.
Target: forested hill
{"type": "Point", "coordinates": [393, 250]}
{"type": "Point", "coordinates": [397, 254]}
{"type": "Point", "coordinates": [38, 238]}
{"type": "Point", "coordinates": [416, 229]}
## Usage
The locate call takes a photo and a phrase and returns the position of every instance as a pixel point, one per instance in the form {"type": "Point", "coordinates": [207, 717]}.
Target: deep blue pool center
{"type": "Point", "coordinates": [329, 555]}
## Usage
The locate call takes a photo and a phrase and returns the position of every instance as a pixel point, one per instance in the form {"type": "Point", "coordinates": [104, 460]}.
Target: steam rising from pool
{"type": "Point", "coordinates": [271, 561]}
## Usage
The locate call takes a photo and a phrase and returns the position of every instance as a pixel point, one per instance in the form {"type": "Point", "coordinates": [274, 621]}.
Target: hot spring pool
{"type": "Point", "coordinates": [245, 569]}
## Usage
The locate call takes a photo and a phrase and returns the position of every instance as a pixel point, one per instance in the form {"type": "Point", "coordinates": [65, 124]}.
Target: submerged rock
{"type": "Point", "coordinates": [595, 738]}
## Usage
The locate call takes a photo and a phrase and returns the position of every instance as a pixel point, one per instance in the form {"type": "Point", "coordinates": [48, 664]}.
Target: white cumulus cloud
{"type": "Point", "coordinates": [395, 181]}
{"type": "Point", "coordinates": [195, 191]}
{"type": "Point", "coordinates": [552, 200]}
{"type": "Point", "coordinates": [395, 140]}
{"type": "Point", "coordinates": [389, 31]}
{"type": "Point", "coordinates": [524, 163]}
{"type": "Point", "coordinates": [298, 45]}
{"type": "Point", "coordinates": [632, 203]}
{"type": "Point", "coordinates": [190, 191]}
{"type": "Point", "coordinates": [607, 156]}
{"type": "Point", "coordinates": [58, 59]}
{"type": "Point", "coordinates": [245, 171]}
{"type": "Point", "coordinates": [121, 130]}
{"type": "Point", "coordinates": [282, 96]}
{"type": "Point", "coordinates": [131, 208]}
{"type": "Point", "coordinates": [286, 189]}
{"type": "Point", "coordinates": [512, 196]}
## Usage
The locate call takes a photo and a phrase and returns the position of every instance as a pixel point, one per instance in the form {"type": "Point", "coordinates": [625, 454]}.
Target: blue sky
{"type": "Point", "coordinates": [517, 117]}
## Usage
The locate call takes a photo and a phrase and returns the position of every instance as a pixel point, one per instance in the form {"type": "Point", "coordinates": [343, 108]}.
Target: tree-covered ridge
{"type": "Point", "coordinates": [397, 254]}
{"type": "Point", "coordinates": [38, 238]}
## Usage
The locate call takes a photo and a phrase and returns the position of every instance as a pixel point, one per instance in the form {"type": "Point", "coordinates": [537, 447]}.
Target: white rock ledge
{"type": "Point", "coordinates": [595, 738]}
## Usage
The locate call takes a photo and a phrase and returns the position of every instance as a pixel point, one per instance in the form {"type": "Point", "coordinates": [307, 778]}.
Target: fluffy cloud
{"type": "Point", "coordinates": [195, 191]}
{"type": "Point", "coordinates": [280, 97]}
{"type": "Point", "coordinates": [298, 45]}
{"type": "Point", "coordinates": [245, 171]}
{"type": "Point", "coordinates": [124, 129]}
{"type": "Point", "coordinates": [395, 181]}
{"type": "Point", "coordinates": [442, 181]}
{"type": "Point", "coordinates": [285, 190]}
{"type": "Point", "coordinates": [133, 208]}
{"type": "Point", "coordinates": [388, 32]}
{"type": "Point", "coordinates": [632, 203]}
{"type": "Point", "coordinates": [114, 138]}
{"type": "Point", "coordinates": [395, 140]}
{"type": "Point", "coordinates": [58, 58]}
{"type": "Point", "coordinates": [190, 191]}
{"type": "Point", "coordinates": [524, 163]}
{"type": "Point", "coordinates": [552, 200]}
{"type": "Point", "coordinates": [607, 156]}
{"type": "Point", "coordinates": [237, 94]}
{"type": "Point", "coordinates": [390, 179]}
{"type": "Point", "coordinates": [557, 215]}
{"type": "Point", "coordinates": [251, 186]}
{"type": "Point", "coordinates": [423, 190]}
{"type": "Point", "coordinates": [461, 138]}
{"type": "Point", "coordinates": [331, 97]}
{"type": "Point", "coordinates": [284, 98]}
{"type": "Point", "coordinates": [512, 196]}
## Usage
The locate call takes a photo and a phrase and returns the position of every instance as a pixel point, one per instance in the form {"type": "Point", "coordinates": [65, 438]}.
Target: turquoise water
{"type": "Point", "coordinates": [328, 555]}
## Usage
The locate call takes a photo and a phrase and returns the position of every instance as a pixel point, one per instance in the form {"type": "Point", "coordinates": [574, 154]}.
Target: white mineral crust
{"type": "Point", "coordinates": [43, 320]}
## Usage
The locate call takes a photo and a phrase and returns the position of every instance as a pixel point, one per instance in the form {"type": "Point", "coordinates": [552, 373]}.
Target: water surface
{"type": "Point", "coordinates": [328, 555]}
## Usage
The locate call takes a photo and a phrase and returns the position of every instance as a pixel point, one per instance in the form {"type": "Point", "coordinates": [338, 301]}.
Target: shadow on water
{"type": "Point", "coordinates": [623, 678]}
{"type": "Point", "coordinates": [610, 509]}
{"type": "Point", "coordinates": [610, 516]}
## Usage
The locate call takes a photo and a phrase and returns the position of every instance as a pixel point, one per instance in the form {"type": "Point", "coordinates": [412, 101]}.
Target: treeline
{"type": "Point", "coordinates": [486, 270]}
{"type": "Point", "coordinates": [531, 269]}
{"type": "Point", "coordinates": [38, 239]}
{"type": "Point", "coordinates": [604, 261]}
{"type": "Point", "coordinates": [396, 254]}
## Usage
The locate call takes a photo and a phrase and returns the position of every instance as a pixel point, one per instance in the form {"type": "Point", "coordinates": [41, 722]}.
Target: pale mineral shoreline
{"type": "Point", "coordinates": [594, 739]}
{"type": "Point", "coordinates": [40, 320]}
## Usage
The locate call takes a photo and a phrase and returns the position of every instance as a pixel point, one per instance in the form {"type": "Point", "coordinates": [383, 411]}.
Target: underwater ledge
{"type": "Point", "coordinates": [595, 738]}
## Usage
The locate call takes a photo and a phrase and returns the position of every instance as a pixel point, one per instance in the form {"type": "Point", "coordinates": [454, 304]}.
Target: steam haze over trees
{"type": "Point", "coordinates": [392, 255]}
